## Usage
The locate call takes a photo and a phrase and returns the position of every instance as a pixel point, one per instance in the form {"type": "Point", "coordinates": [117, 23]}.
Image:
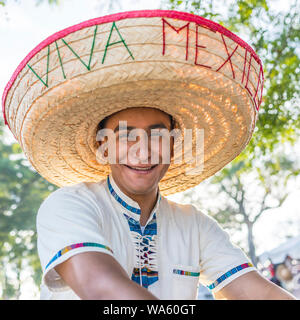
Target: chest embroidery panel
{"type": "Point", "coordinates": [145, 271]}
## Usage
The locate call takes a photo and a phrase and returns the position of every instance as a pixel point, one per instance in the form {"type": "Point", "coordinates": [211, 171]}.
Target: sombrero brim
{"type": "Point", "coordinates": [185, 65]}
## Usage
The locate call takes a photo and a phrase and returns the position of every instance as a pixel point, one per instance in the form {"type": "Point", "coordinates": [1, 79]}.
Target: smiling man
{"type": "Point", "coordinates": [129, 242]}
{"type": "Point", "coordinates": [135, 173]}
{"type": "Point", "coordinates": [138, 79]}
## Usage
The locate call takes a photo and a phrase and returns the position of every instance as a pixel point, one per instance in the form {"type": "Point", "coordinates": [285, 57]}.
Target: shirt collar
{"type": "Point", "coordinates": [130, 206]}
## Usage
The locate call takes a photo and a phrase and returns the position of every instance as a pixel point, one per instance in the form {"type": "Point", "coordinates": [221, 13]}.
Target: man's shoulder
{"type": "Point", "coordinates": [189, 214]}
{"type": "Point", "coordinates": [183, 209]}
{"type": "Point", "coordinates": [80, 195]}
{"type": "Point", "coordinates": [80, 189]}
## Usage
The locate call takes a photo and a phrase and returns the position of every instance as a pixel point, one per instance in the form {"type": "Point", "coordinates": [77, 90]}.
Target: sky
{"type": "Point", "coordinates": [24, 25]}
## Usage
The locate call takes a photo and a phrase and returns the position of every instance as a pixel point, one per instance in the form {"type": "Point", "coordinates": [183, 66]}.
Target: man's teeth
{"type": "Point", "coordinates": [141, 169]}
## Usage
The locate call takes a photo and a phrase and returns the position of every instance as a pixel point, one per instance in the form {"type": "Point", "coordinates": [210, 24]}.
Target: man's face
{"type": "Point", "coordinates": [141, 163]}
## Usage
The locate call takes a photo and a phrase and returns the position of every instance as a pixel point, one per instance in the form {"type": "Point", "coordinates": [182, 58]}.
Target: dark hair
{"type": "Point", "coordinates": [101, 124]}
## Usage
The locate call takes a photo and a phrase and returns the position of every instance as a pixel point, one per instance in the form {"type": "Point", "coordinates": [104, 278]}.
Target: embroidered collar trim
{"type": "Point", "coordinates": [124, 200]}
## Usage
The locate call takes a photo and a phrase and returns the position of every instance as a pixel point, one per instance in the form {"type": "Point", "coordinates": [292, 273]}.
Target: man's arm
{"type": "Point", "coordinates": [98, 276]}
{"type": "Point", "coordinates": [253, 286]}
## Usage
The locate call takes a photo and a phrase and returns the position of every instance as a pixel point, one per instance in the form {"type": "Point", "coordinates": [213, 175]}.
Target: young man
{"type": "Point", "coordinates": [178, 243]}
{"type": "Point", "coordinates": [109, 232]}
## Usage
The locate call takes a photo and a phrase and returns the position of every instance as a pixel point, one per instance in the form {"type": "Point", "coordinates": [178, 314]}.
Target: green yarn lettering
{"type": "Point", "coordinates": [108, 44]}
{"type": "Point", "coordinates": [88, 66]}
{"type": "Point", "coordinates": [61, 64]}
{"type": "Point", "coordinates": [44, 82]}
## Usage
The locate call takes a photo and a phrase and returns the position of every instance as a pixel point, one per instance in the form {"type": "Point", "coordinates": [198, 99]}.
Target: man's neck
{"type": "Point", "coordinates": [145, 201]}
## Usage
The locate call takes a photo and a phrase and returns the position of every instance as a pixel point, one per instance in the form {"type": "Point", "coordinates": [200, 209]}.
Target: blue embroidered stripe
{"type": "Point", "coordinates": [228, 274]}
{"type": "Point", "coordinates": [150, 229]}
{"type": "Point", "coordinates": [120, 200]}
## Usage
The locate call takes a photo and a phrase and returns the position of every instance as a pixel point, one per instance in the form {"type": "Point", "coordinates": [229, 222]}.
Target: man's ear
{"type": "Point", "coordinates": [100, 142]}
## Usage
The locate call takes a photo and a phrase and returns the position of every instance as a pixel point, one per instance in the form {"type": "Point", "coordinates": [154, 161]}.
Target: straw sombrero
{"type": "Point", "coordinates": [190, 67]}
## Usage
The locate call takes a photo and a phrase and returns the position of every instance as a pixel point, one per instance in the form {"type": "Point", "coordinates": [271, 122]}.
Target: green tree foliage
{"type": "Point", "coordinates": [22, 190]}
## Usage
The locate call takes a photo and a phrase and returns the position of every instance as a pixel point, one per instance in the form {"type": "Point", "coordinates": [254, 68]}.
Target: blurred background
{"type": "Point", "coordinates": [255, 198]}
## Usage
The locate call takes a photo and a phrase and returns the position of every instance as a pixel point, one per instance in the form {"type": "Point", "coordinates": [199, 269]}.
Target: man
{"type": "Point", "coordinates": [101, 275]}
{"type": "Point", "coordinates": [144, 80]}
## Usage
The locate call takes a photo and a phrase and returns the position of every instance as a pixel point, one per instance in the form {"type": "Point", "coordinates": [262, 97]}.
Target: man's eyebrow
{"type": "Point", "coordinates": [152, 126]}
{"type": "Point", "coordinates": [158, 126]}
{"type": "Point", "coordinates": [118, 128]}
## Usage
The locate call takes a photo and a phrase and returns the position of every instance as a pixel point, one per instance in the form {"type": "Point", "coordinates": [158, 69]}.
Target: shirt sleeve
{"type": "Point", "coordinates": [68, 222]}
{"type": "Point", "coordinates": [220, 260]}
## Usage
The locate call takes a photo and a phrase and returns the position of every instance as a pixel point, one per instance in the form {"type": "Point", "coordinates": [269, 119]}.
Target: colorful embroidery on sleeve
{"type": "Point", "coordinates": [75, 246]}
{"type": "Point", "coordinates": [228, 274]}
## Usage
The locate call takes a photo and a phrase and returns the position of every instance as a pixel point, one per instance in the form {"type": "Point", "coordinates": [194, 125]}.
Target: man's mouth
{"type": "Point", "coordinates": [142, 169]}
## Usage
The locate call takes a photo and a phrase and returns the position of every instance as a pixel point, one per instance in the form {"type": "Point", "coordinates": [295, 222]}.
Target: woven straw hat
{"type": "Point", "coordinates": [190, 67]}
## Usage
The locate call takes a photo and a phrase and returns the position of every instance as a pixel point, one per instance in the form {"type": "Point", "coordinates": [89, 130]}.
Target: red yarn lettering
{"type": "Point", "coordinates": [198, 46]}
{"type": "Point", "coordinates": [260, 82]}
{"type": "Point", "coordinates": [249, 66]}
{"type": "Point", "coordinates": [245, 62]}
{"type": "Point", "coordinates": [229, 57]}
{"type": "Point", "coordinates": [177, 31]}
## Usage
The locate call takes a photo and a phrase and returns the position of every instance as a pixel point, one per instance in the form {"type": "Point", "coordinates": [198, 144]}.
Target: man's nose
{"type": "Point", "coordinates": [144, 152]}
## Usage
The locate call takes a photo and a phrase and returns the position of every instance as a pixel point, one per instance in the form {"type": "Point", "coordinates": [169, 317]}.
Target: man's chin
{"type": "Point", "coordinates": [139, 188]}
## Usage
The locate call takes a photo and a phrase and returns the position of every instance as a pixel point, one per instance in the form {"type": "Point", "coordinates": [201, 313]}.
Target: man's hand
{"type": "Point", "coordinates": [98, 276]}
{"type": "Point", "coordinates": [253, 286]}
